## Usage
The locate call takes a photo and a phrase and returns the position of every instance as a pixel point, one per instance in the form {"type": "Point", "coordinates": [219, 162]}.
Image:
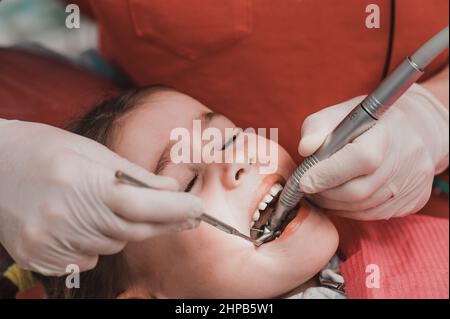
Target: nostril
{"type": "Point", "coordinates": [238, 173]}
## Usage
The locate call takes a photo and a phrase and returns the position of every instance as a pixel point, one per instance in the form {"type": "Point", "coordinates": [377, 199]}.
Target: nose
{"type": "Point", "coordinates": [235, 174]}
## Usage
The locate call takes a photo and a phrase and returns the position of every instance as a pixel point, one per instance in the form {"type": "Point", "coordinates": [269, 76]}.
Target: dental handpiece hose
{"type": "Point", "coordinates": [360, 119]}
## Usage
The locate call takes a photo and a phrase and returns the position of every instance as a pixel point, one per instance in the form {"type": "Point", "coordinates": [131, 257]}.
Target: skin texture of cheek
{"type": "Point", "coordinates": [195, 263]}
{"type": "Point", "coordinates": [206, 263]}
{"type": "Point", "coordinates": [301, 252]}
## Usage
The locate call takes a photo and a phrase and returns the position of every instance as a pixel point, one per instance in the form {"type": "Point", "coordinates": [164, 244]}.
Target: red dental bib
{"type": "Point", "coordinates": [400, 258]}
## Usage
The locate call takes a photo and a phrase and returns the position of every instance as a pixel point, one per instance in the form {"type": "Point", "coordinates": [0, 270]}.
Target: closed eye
{"type": "Point", "coordinates": [191, 184]}
{"type": "Point", "coordinates": [230, 141]}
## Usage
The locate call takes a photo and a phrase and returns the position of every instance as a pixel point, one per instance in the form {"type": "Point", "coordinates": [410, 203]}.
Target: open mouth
{"type": "Point", "coordinates": [259, 223]}
{"type": "Point", "coordinates": [264, 210]}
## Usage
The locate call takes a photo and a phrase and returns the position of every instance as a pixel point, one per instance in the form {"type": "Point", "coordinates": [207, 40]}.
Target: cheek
{"type": "Point", "coordinates": [285, 162]}
{"type": "Point", "coordinates": [208, 245]}
{"type": "Point", "coordinates": [315, 247]}
{"type": "Point", "coordinates": [300, 255]}
{"type": "Point", "coordinates": [206, 261]}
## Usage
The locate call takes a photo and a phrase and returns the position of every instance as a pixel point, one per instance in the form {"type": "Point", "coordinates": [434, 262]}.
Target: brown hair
{"type": "Point", "coordinates": [110, 277]}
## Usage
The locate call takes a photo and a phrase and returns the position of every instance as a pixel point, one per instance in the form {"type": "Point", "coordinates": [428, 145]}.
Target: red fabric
{"type": "Point", "coordinates": [35, 292]}
{"type": "Point", "coordinates": [263, 63]}
{"type": "Point", "coordinates": [411, 253]}
{"type": "Point", "coordinates": [46, 89]}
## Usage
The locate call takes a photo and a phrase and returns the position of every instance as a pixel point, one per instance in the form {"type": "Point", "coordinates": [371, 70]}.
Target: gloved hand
{"type": "Point", "coordinates": [388, 170]}
{"type": "Point", "coordinates": [60, 203]}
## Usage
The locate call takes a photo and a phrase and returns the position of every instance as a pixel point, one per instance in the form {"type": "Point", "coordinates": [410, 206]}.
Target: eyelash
{"type": "Point", "coordinates": [191, 184]}
{"type": "Point", "coordinates": [230, 141]}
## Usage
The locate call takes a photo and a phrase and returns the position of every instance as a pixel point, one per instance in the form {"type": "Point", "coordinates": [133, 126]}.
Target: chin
{"type": "Point", "coordinates": [304, 248]}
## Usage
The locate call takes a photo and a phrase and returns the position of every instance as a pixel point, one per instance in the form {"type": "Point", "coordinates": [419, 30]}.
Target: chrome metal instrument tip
{"type": "Point", "coordinates": [239, 234]}
{"type": "Point", "coordinates": [204, 217]}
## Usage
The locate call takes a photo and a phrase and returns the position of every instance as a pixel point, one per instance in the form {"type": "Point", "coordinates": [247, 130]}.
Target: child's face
{"type": "Point", "coordinates": [205, 262]}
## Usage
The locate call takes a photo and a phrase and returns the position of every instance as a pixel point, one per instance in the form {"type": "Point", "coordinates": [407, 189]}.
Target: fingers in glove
{"type": "Point", "coordinates": [138, 204]}
{"type": "Point", "coordinates": [121, 229]}
{"type": "Point", "coordinates": [98, 245]}
{"type": "Point", "coordinates": [317, 126]}
{"type": "Point", "coordinates": [361, 157]}
{"type": "Point", "coordinates": [57, 264]}
{"type": "Point", "coordinates": [105, 158]}
{"type": "Point", "coordinates": [359, 188]}
{"type": "Point", "coordinates": [394, 207]}
{"type": "Point", "coordinates": [155, 206]}
{"type": "Point", "coordinates": [143, 175]}
{"type": "Point", "coordinates": [382, 195]}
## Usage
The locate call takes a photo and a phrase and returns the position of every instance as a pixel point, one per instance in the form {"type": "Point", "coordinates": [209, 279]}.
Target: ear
{"type": "Point", "coordinates": [136, 293]}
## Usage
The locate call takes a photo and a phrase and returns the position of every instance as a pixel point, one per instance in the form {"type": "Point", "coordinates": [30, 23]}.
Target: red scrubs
{"type": "Point", "coordinates": [264, 63]}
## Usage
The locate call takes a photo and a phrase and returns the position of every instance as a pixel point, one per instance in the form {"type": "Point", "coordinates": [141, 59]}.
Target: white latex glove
{"type": "Point", "coordinates": [387, 171]}
{"type": "Point", "coordinates": [60, 203]}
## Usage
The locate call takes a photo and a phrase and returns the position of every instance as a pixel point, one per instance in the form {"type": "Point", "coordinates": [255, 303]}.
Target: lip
{"type": "Point", "coordinates": [302, 214]}
{"type": "Point", "coordinates": [262, 190]}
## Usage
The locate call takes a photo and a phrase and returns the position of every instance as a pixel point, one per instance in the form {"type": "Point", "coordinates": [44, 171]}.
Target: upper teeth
{"type": "Point", "coordinates": [266, 200]}
{"type": "Point", "coordinates": [256, 215]}
{"type": "Point", "coordinates": [275, 189]}
{"type": "Point", "coordinates": [262, 205]}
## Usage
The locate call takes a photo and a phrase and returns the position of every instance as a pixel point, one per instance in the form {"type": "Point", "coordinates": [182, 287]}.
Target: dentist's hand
{"type": "Point", "coordinates": [387, 171]}
{"type": "Point", "coordinates": [60, 203]}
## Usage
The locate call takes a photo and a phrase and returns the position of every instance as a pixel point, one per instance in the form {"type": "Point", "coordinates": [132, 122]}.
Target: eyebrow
{"type": "Point", "coordinates": [207, 117]}
{"type": "Point", "coordinates": [164, 160]}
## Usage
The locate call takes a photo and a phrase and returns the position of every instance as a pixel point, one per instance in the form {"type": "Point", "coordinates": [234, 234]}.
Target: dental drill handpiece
{"type": "Point", "coordinates": [359, 120]}
{"type": "Point", "coordinates": [203, 217]}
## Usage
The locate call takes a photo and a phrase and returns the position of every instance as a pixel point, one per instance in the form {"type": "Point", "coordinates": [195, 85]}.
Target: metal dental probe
{"type": "Point", "coordinates": [204, 217]}
{"type": "Point", "coordinates": [359, 120]}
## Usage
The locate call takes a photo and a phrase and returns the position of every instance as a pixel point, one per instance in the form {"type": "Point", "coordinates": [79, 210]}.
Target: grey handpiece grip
{"type": "Point", "coordinates": [354, 124]}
